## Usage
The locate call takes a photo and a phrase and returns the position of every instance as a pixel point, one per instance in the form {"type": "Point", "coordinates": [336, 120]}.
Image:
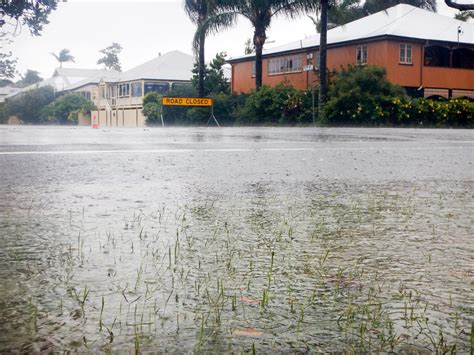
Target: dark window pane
{"type": "Point", "coordinates": [161, 88]}
{"type": "Point", "coordinates": [136, 89]}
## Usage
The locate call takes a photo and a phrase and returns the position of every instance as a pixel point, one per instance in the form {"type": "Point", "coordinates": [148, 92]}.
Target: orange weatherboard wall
{"type": "Point", "coordinates": [384, 52]}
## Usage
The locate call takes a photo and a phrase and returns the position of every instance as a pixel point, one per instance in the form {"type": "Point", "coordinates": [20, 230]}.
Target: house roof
{"type": "Point", "coordinates": [398, 21]}
{"type": "Point", "coordinates": [7, 90]}
{"type": "Point", "coordinates": [65, 78]}
{"type": "Point", "coordinates": [95, 78]}
{"type": "Point", "coordinates": [173, 65]}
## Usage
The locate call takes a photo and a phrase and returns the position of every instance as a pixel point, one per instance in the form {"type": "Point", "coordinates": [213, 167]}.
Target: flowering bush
{"type": "Point", "coordinates": [363, 96]}
{"type": "Point", "coordinates": [430, 113]}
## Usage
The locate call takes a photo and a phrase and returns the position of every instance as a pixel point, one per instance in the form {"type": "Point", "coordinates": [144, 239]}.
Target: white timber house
{"type": "Point", "coordinates": [119, 96]}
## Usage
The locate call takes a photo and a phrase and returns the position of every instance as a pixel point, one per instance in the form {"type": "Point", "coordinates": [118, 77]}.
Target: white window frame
{"type": "Point", "coordinates": [283, 65]}
{"type": "Point", "coordinates": [124, 90]}
{"type": "Point", "coordinates": [361, 55]}
{"type": "Point", "coordinates": [406, 53]}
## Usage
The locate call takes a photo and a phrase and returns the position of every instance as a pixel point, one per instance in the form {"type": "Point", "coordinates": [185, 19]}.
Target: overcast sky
{"type": "Point", "coordinates": [143, 28]}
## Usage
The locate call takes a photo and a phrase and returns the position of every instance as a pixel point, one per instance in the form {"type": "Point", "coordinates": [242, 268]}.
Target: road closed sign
{"type": "Point", "coordinates": [186, 101]}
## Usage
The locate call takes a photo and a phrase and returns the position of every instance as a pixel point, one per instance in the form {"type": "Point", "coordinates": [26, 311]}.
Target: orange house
{"type": "Point", "coordinates": [426, 53]}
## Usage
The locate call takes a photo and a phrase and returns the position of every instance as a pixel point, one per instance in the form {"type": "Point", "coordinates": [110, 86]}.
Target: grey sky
{"type": "Point", "coordinates": [143, 28]}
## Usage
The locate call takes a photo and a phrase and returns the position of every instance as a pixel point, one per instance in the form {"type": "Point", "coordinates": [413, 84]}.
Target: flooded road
{"type": "Point", "coordinates": [236, 239]}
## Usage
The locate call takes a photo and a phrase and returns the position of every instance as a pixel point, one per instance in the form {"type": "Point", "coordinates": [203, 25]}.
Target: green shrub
{"type": "Point", "coordinates": [152, 108]}
{"type": "Point", "coordinates": [66, 108]}
{"type": "Point", "coordinates": [361, 95]}
{"type": "Point", "coordinates": [281, 104]}
{"type": "Point", "coordinates": [29, 106]}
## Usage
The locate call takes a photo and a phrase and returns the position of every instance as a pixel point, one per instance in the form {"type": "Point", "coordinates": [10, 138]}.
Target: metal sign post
{"type": "Point", "coordinates": [161, 115]}
{"type": "Point", "coordinates": [213, 117]}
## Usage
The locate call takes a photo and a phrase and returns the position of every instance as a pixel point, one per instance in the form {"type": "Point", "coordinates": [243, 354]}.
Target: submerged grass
{"type": "Point", "coordinates": [328, 272]}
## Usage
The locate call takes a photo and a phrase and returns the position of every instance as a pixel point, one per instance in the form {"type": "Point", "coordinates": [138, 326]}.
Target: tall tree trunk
{"type": "Point", "coordinates": [259, 38]}
{"type": "Point", "coordinates": [202, 40]}
{"type": "Point", "coordinates": [201, 65]}
{"type": "Point", "coordinates": [323, 84]}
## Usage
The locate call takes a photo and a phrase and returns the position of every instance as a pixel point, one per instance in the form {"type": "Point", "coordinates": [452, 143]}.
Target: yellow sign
{"type": "Point", "coordinates": [186, 101]}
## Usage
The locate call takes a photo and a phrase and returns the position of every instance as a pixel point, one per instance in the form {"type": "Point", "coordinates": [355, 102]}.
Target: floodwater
{"type": "Point", "coordinates": [236, 240]}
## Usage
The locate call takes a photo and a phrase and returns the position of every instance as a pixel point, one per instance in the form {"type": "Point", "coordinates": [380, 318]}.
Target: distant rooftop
{"type": "Point", "coordinates": [7, 90]}
{"type": "Point", "coordinates": [398, 21]}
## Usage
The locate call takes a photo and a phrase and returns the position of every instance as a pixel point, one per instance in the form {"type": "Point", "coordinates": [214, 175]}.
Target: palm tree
{"type": "Point", "coordinates": [260, 14]}
{"type": "Point", "coordinates": [200, 12]}
{"type": "Point", "coordinates": [339, 13]}
{"type": "Point", "coordinates": [63, 56]}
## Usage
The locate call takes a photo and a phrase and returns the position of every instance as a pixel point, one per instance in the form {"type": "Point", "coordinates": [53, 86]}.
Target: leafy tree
{"type": "Point", "coordinates": [214, 80]}
{"type": "Point", "coordinates": [260, 14]}
{"type": "Point", "coordinates": [63, 56]}
{"type": "Point", "coordinates": [31, 13]}
{"type": "Point", "coordinates": [464, 15]}
{"type": "Point", "coordinates": [7, 66]}
{"type": "Point", "coordinates": [30, 77]}
{"type": "Point", "coordinates": [110, 60]}
{"type": "Point", "coordinates": [65, 109]}
{"type": "Point", "coordinates": [28, 106]}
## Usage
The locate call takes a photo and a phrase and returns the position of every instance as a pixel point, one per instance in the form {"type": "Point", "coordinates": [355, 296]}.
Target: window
{"type": "Point", "coordinates": [159, 87]}
{"type": "Point", "coordinates": [284, 64]}
{"type": "Point", "coordinates": [361, 55]}
{"type": "Point", "coordinates": [254, 69]}
{"type": "Point", "coordinates": [136, 89]}
{"type": "Point", "coordinates": [316, 60]}
{"type": "Point", "coordinates": [85, 94]}
{"type": "Point", "coordinates": [175, 86]}
{"type": "Point", "coordinates": [405, 53]}
{"type": "Point", "coordinates": [124, 90]}
{"type": "Point", "coordinates": [437, 56]}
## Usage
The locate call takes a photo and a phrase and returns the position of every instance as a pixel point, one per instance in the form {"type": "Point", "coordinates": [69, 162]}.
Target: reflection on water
{"type": "Point", "coordinates": [323, 267]}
